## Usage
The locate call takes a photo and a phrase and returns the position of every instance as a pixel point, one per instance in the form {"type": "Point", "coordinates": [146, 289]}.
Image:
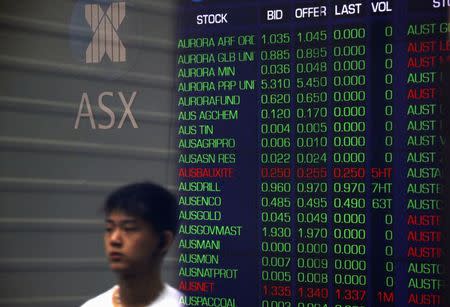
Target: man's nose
{"type": "Point", "coordinates": [116, 237]}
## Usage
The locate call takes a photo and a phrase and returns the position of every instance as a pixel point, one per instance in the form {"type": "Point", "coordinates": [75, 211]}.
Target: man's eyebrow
{"type": "Point", "coordinates": [126, 222]}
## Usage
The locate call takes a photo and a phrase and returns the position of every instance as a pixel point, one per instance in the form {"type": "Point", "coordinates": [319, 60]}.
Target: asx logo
{"type": "Point", "coordinates": [105, 26]}
{"type": "Point", "coordinates": [86, 104]}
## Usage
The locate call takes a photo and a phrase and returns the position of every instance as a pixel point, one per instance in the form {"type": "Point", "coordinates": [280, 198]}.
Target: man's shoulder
{"type": "Point", "coordinates": [168, 297]}
{"type": "Point", "coordinates": [102, 300]}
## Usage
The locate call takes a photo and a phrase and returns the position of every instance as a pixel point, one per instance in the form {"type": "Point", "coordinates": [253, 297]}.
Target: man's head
{"type": "Point", "coordinates": [141, 222]}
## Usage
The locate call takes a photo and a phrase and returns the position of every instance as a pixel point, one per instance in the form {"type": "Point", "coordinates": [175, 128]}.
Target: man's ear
{"type": "Point", "coordinates": [165, 241]}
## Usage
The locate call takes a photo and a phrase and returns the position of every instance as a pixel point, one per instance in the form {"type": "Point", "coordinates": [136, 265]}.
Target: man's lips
{"type": "Point", "coordinates": [115, 256]}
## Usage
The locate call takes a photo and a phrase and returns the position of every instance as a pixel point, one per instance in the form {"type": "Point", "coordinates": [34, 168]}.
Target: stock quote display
{"type": "Point", "coordinates": [309, 163]}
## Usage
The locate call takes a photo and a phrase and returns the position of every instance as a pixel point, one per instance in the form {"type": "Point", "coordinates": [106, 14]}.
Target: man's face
{"type": "Point", "coordinates": [131, 245]}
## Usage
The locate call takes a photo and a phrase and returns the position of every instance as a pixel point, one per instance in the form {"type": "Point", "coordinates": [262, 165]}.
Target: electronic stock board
{"type": "Point", "coordinates": [310, 163]}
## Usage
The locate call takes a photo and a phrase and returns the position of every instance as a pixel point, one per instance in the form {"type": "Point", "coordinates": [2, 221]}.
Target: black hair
{"type": "Point", "coordinates": [148, 201]}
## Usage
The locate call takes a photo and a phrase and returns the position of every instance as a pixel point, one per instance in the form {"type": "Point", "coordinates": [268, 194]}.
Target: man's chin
{"type": "Point", "coordinates": [118, 267]}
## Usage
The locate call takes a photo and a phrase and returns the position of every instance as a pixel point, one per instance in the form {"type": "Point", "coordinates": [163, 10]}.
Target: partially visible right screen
{"type": "Point", "coordinates": [310, 152]}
